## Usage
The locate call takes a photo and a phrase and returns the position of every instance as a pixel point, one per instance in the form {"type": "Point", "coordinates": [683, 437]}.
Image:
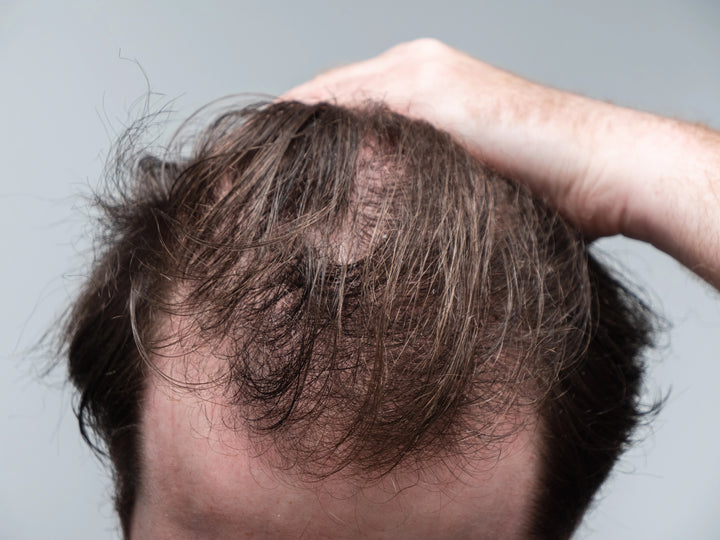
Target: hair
{"type": "Point", "coordinates": [375, 295]}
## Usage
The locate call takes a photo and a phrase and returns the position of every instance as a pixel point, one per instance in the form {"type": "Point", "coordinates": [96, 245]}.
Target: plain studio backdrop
{"type": "Point", "coordinates": [70, 82]}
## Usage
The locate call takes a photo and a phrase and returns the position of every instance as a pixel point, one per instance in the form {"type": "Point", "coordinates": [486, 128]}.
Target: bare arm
{"type": "Point", "coordinates": [609, 169]}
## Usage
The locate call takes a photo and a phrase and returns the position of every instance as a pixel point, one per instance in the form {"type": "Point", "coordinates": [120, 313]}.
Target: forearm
{"type": "Point", "coordinates": [677, 204]}
{"type": "Point", "coordinates": [613, 170]}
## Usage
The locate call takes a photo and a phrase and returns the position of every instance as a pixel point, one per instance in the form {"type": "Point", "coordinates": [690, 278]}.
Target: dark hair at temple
{"type": "Point", "coordinates": [360, 271]}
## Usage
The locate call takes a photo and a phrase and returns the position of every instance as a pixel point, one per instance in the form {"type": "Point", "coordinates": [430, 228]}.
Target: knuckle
{"type": "Point", "coordinates": [422, 47]}
{"type": "Point", "coordinates": [429, 46]}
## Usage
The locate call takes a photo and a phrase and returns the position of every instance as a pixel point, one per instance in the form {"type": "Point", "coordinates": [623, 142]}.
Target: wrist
{"type": "Point", "coordinates": [675, 180]}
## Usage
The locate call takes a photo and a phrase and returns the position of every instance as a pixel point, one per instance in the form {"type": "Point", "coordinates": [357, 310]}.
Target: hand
{"type": "Point", "coordinates": [608, 169]}
{"type": "Point", "coordinates": [524, 130]}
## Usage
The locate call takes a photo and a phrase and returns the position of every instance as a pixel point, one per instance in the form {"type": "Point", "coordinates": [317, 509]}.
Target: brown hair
{"type": "Point", "coordinates": [360, 271]}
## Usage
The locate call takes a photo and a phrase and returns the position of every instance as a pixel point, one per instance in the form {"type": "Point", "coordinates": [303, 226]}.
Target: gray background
{"type": "Point", "coordinates": [66, 92]}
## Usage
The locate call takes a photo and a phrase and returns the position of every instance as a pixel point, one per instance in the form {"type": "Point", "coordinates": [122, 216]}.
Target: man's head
{"type": "Point", "coordinates": [339, 318]}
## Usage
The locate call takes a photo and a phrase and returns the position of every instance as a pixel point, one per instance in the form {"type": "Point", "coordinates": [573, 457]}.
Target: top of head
{"type": "Point", "coordinates": [357, 292]}
{"type": "Point", "coordinates": [366, 283]}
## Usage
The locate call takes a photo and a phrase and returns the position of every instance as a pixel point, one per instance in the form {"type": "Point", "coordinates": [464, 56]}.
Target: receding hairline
{"type": "Point", "coordinates": [491, 496]}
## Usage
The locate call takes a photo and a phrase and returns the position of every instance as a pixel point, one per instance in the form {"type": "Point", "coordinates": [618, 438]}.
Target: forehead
{"type": "Point", "coordinates": [200, 479]}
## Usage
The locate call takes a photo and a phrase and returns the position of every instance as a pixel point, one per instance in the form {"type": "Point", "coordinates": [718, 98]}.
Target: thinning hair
{"type": "Point", "coordinates": [374, 296]}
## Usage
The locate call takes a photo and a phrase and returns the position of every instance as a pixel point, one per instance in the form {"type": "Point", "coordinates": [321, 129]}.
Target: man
{"type": "Point", "coordinates": [333, 322]}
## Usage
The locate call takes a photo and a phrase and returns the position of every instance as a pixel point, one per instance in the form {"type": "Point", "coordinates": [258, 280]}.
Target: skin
{"type": "Point", "coordinates": [610, 170]}
{"type": "Point", "coordinates": [202, 480]}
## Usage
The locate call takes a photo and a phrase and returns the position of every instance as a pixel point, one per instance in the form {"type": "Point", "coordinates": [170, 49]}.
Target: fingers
{"type": "Point", "coordinates": [353, 83]}
{"type": "Point", "coordinates": [343, 89]}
